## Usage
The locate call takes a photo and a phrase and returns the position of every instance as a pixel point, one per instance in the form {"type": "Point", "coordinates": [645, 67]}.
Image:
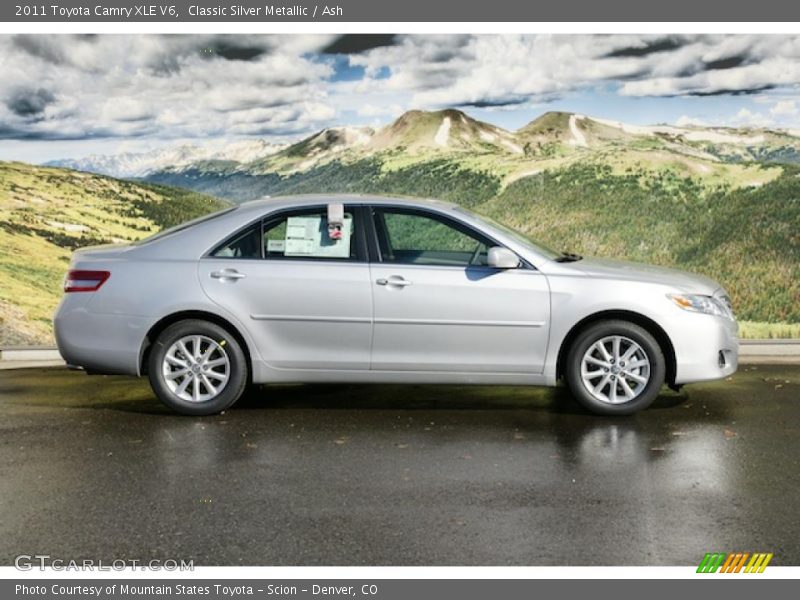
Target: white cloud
{"type": "Point", "coordinates": [193, 86]}
{"type": "Point", "coordinates": [166, 86]}
{"type": "Point", "coordinates": [784, 108]}
{"type": "Point", "coordinates": [748, 118]}
{"type": "Point", "coordinates": [488, 69]}
{"type": "Point", "coordinates": [374, 110]}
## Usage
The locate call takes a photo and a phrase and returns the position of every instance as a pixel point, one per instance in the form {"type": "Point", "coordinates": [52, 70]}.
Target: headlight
{"type": "Point", "coordinates": [702, 304]}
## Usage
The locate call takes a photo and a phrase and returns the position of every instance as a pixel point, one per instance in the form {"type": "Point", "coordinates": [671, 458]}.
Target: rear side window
{"type": "Point", "coordinates": [305, 235]}
{"type": "Point", "coordinates": [246, 244]}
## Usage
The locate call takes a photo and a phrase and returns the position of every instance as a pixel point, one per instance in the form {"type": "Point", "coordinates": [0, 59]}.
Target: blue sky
{"type": "Point", "coordinates": [70, 96]}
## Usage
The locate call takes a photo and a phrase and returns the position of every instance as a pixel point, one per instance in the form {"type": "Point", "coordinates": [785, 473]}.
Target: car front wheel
{"type": "Point", "coordinates": [615, 367]}
{"type": "Point", "coordinates": [197, 368]}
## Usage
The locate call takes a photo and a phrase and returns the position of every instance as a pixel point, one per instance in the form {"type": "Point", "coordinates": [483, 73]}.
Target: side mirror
{"type": "Point", "coordinates": [502, 258]}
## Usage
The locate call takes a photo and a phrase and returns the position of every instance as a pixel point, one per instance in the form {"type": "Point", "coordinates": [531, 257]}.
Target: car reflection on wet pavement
{"type": "Point", "coordinates": [398, 475]}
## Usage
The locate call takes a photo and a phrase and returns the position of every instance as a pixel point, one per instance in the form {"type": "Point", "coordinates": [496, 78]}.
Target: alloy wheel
{"type": "Point", "coordinates": [196, 368]}
{"type": "Point", "coordinates": [615, 369]}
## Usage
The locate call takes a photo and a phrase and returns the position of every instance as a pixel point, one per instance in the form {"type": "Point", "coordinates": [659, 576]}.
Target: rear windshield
{"type": "Point", "coordinates": [164, 233]}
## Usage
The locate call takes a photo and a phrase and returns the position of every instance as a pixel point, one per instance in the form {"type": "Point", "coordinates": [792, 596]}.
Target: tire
{"type": "Point", "coordinates": [620, 386]}
{"type": "Point", "coordinates": [219, 352]}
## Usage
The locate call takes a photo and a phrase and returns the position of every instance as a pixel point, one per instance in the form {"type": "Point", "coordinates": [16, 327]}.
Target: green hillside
{"type": "Point", "coordinates": [746, 238]}
{"type": "Point", "coordinates": [45, 213]}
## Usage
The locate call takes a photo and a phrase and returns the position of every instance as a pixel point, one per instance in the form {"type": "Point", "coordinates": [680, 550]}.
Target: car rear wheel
{"type": "Point", "coordinates": [615, 368]}
{"type": "Point", "coordinates": [197, 368]}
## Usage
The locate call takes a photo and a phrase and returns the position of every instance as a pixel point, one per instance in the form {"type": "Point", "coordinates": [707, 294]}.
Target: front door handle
{"type": "Point", "coordinates": [227, 274]}
{"type": "Point", "coordinates": [395, 280]}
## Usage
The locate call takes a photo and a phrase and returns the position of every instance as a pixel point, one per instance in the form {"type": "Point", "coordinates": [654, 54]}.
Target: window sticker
{"type": "Point", "coordinates": [308, 236]}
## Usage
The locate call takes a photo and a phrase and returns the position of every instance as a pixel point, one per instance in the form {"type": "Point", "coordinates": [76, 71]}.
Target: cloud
{"type": "Point", "coordinates": [26, 102]}
{"type": "Point", "coordinates": [784, 108]}
{"type": "Point", "coordinates": [79, 87]}
{"type": "Point", "coordinates": [725, 65]}
{"type": "Point", "coordinates": [195, 86]}
{"type": "Point", "coordinates": [485, 70]}
{"type": "Point", "coordinates": [646, 47]}
{"type": "Point", "coordinates": [747, 118]}
{"type": "Point", "coordinates": [376, 110]}
{"type": "Point", "coordinates": [357, 43]}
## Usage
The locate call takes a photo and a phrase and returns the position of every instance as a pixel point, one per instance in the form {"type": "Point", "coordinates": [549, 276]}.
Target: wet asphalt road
{"type": "Point", "coordinates": [389, 475]}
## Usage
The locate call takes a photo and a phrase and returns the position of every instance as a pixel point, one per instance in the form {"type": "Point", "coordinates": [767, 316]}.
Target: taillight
{"type": "Point", "coordinates": [85, 281]}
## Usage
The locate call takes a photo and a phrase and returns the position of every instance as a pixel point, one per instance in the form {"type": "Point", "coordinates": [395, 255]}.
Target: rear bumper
{"type": "Point", "coordinates": [706, 348]}
{"type": "Point", "coordinates": [99, 343]}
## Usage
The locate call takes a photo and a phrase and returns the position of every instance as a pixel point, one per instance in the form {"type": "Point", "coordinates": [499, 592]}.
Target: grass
{"type": "Point", "coordinates": [47, 213]}
{"type": "Point", "coordinates": [744, 238]}
{"type": "Point", "coordinates": [751, 330]}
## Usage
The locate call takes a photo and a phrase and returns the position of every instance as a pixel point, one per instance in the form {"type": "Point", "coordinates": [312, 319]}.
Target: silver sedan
{"type": "Point", "coordinates": [364, 289]}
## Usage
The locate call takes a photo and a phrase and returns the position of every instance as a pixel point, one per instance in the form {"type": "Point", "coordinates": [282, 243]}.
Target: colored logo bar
{"type": "Point", "coordinates": [735, 562]}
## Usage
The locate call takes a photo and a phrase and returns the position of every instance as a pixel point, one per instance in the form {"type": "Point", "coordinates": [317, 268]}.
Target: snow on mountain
{"type": "Point", "coordinates": [694, 134]}
{"type": "Point", "coordinates": [443, 133]}
{"type": "Point", "coordinates": [141, 164]}
{"type": "Point", "coordinates": [447, 129]}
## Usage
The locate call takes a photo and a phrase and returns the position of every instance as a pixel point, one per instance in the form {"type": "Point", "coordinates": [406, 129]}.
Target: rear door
{"type": "Point", "coordinates": [439, 307]}
{"type": "Point", "coordinates": [306, 298]}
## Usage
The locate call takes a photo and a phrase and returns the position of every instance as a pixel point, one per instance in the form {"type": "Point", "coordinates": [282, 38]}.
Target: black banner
{"type": "Point", "coordinates": [386, 589]}
{"type": "Point", "coordinates": [407, 11]}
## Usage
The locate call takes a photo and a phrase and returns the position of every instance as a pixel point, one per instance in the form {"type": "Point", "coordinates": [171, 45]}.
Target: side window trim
{"type": "Point", "coordinates": [263, 221]}
{"type": "Point", "coordinates": [362, 247]}
{"type": "Point", "coordinates": [370, 234]}
{"type": "Point", "coordinates": [261, 250]}
{"type": "Point", "coordinates": [377, 213]}
{"type": "Point", "coordinates": [375, 246]}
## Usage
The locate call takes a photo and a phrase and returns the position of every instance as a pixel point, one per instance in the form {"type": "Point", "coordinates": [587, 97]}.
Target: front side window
{"type": "Point", "coordinates": [301, 234]}
{"type": "Point", "coordinates": [418, 238]}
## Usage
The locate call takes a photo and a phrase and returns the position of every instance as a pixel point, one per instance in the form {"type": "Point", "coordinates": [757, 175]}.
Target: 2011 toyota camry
{"type": "Point", "coordinates": [368, 289]}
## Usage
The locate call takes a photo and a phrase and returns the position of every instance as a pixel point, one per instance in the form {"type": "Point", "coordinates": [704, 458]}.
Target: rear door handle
{"type": "Point", "coordinates": [395, 280]}
{"type": "Point", "coordinates": [227, 274]}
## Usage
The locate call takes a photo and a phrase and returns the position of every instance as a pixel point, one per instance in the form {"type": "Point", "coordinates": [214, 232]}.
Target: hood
{"type": "Point", "coordinates": [619, 269]}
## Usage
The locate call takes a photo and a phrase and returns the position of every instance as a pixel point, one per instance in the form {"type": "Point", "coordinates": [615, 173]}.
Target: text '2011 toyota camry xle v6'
{"type": "Point", "coordinates": [365, 289]}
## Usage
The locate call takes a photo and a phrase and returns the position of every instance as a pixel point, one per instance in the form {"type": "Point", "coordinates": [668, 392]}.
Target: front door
{"type": "Point", "coordinates": [439, 307]}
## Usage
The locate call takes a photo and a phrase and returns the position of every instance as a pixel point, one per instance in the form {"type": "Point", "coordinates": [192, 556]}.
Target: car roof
{"type": "Point", "coordinates": [317, 199]}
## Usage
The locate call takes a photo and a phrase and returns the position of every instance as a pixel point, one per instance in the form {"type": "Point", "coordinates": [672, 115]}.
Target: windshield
{"type": "Point", "coordinates": [186, 225]}
{"type": "Point", "coordinates": [516, 235]}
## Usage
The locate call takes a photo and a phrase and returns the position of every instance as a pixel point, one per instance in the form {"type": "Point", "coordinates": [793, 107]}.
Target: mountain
{"type": "Point", "coordinates": [321, 147]}
{"type": "Point", "coordinates": [460, 149]}
{"type": "Point", "coordinates": [444, 130]}
{"type": "Point", "coordinates": [554, 140]}
{"type": "Point", "coordinates": [140, 164]}
{"type": "Point", "coordinates": [48, 212]}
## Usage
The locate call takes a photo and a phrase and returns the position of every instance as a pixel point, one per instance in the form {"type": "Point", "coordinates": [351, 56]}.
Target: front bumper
{"type": "Point", "coordinates": [706, 347]}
